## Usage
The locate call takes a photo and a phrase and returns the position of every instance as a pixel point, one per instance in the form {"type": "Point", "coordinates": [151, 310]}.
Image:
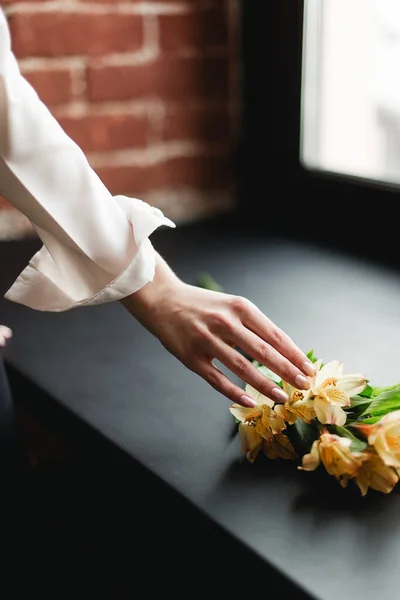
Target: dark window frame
{"type": "Point", "coordinates": [276, 194]}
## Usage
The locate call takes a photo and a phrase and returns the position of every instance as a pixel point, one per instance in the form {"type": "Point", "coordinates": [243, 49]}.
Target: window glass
{"type": "Point", "coordinates": [350, 121]}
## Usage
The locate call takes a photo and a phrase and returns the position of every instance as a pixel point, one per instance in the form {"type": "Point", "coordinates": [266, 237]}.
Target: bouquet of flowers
{"type": "Point", "coordinates": [342, 422]}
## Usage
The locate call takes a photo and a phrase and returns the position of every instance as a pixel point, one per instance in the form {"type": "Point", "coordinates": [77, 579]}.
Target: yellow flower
{"type": "Point", "coordinates": [262, 418]}
{"type": "Point", "coordinates": [279, 447]}
{"type": "Point", "coordinates": [257, 396]}
{"type": "Point", "coordinates": [332, 390]}
{"type": "Point", "coordinates": [251, 442]}
{"type": "Point", "coordinates": [257, 426]}
{"type": "Point", "coordinates": [299, 405]}
{"type": "Point", "coordinates": [335, 454]}
{"type": "Point", "coordinates": [373, 473]}
{"type": "Point", "coordinates": [384, 436]}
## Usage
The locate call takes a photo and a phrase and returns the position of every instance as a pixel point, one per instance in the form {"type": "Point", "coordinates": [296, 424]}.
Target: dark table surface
{"type": "Point", "coordinates": [110, 373]}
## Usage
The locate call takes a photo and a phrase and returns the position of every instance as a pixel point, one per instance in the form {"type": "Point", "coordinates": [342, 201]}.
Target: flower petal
{"type": "Point", "coordinates": [242, 412]}
{"type": "Point", "coordinates": [388, 457]}
{"type": "Point", "coordinates": [384, 436]}
{"type": "Point", "coordinates": [251, 441]}
{"type": "Point", "coordinates": [257, 396]}
{"type": "Point", "coordinates": [328, 413]}
{"type": "Point", "coordinates": [311, 461]}
{"type": "Point", "coordinates": [305, 410]}
{"type": "Point", "coordinates": [285, 447]}
{"type": "Point", "coordinates": [391, 416]}
{"type": "Point", "coordinates": [286, 414]}
{"type": "Point", "coordinates": [334, 395]}
{"type": "Point", "coordinates": [384, 481]}
{"type": "Point", "coordinates": [352, 384]}
{"type": "Point", "coordinates": [362, 482]}
{"type": "Point", "coordinates": [375, 474]}
{"type": "Point", "coordinates": [331, 369]}
{"type": "Point", "coordinates": [318, 365]}
{"type": "Point", "coordinates": [272, 421]}
{"type": "Point", "coordinates": [279, 447]}
{"type": "Point", "coordinates": [289, 389]}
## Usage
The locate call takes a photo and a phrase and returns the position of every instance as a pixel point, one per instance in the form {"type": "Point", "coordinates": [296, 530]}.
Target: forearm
{"type": "Point", "coordinates": [150, 300]}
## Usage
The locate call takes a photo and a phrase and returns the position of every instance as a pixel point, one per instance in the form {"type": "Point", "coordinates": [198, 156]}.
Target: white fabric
{"type": "Point", "coordinates": [95, 246]}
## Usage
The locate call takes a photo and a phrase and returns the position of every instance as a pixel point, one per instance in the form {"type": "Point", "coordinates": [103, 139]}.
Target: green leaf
{"type": "Point", "coordinates": [386, 401]}
{"type": "Point", "coordinates": [270, 374]}
{"type": "Point", "coordinates": [357, 400]}
{"type": "Point", "coordinates": [371, 420]}
{"type": "Point", "coordinates": [311, 356]}
{"type": "Point", "coordinates": [207, 282]}
{"type": "Point", "coordinates": [376, 391]}
{"type": "Point", "coordinates": [354, 412]}
{"type": "Point", "coordinates": [267, 372]}
{"type": "Point", "coordinates": [356, 444]}
{"type": "Point", "coordinates": [367, 392]}
{"type": "Point", "coordinates": [358, 406]}
{"type": "Point", "coordinates": [302, 435]}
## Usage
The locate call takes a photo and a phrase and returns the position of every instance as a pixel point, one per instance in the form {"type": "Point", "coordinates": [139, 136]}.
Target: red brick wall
{"type": "Point", "coordinates": [146, 88]}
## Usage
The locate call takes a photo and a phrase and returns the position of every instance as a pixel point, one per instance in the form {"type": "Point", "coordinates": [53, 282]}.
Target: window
{"type": "Point", "coordinates": [350, 108]}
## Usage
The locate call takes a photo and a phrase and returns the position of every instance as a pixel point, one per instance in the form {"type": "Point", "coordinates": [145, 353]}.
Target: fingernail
{"type": "Point", "coordinates": [309, 368]}
{"type": "Point", "coordinates": [247, 401]}
{"type": "Point", "coordinates": [279, 394]}
{"type": "Point", "coordinates": [302, 383]}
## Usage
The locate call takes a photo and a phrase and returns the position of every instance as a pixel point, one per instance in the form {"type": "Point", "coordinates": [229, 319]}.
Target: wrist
{"type": "Point", "coordinates": [152, 297]}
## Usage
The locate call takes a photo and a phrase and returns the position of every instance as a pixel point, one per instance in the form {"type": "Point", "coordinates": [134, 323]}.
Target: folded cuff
{"type": "Point", "coordinates": [48, 289]}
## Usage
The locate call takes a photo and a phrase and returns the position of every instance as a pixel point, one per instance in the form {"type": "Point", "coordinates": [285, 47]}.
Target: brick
{"type": "Point", "coordinates": [96, 133]}
{"type": "Point", "coordinates": [67, 34]}
{"type": "Point", "coordinates": [207, 124]}
{"type": "Point", "coordinates": [53, 86]}
{"type": "Point", "coordinates": [99, 133]}
{"type": "Point", "coordinates": [168, 78]}
{"type": "Point", "coordinates": [200, 173]}
{"type": "Point", "coordinates": [199, 30]}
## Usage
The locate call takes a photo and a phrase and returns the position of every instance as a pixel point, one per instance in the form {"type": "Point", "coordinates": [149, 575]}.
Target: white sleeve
{"type": "Point", "coordinates": [95, 246]}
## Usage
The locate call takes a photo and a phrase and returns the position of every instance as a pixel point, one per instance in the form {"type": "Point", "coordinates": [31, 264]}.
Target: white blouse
{"type": "Point", "coordinates": [95, 246]}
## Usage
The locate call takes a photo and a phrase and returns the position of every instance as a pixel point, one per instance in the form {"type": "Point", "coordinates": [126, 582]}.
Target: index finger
{"type": "Point", "coordinates": [257, 322]}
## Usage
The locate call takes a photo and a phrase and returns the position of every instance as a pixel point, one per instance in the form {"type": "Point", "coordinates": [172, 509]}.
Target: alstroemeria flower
{"type": "Point", "coordinates": [332, 390]}
{"type": "Point", "coordinates": [257, 425]}
{"type": "Point", "coordinates": [373, 473]}
{"type": "Point", "coordinates": [279, 447]}
{"type": "Point", "coordinates": [384, 436]}
{"type": "Point", "coordinates": [257, 396]}
{"type": "Point", "coordinates": [251, 442]}
{"type": "Point", "coordinates": [299, 405]}
{"type": "Point", "coordinates": [335, 454]}
{"type": "Point", "coordinates": [262, 417]}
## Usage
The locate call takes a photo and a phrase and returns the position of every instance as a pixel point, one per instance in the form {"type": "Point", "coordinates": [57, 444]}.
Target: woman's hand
{"type": "Point", "coordinates": [198, 326]}
{"type": "Point", "coordinates": [5, 335]}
